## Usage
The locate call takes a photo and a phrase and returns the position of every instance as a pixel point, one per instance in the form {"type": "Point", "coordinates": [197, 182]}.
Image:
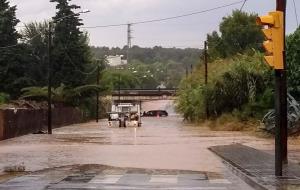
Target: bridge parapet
{"type": "Point", "coordinates": [144, 94]}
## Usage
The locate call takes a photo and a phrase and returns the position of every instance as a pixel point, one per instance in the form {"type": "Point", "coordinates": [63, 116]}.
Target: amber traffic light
{"type": "Point", "coordinates": [273, 30]}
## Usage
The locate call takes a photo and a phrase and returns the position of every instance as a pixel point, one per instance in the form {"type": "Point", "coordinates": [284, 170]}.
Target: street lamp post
{"type": "Point", "coordinates": [50, 67]}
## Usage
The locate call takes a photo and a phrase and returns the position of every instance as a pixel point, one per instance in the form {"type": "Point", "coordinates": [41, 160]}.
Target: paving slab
{"type": "Point", "coordinates": [100, 177]}
{"type": "Point", "coordinates": [257, 167]}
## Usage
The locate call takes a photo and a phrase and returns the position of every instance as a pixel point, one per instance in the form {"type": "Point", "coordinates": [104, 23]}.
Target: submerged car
{"type": "Point", "coordinates": [156, 113]}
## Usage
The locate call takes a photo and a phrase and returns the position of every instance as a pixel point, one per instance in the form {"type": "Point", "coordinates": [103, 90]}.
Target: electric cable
{"type": "Point", "coordinates": [164, 19]}
{"type": "Point", "coordinates": [243, 5]}
{"type": "Point", "coordinates": [296, 14]}
{"type": "Point", "coordinates": [10, 46]}
{"type": "Point", "coordinates": [75, 66]}
{"type": "Point", "coordinates": [150, 21]}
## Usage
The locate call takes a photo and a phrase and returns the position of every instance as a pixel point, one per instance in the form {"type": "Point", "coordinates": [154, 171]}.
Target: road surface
{"type": "Point", "coordinates": [164, 153]}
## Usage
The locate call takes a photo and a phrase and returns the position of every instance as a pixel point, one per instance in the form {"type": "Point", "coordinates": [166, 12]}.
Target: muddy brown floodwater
{"type": "Point", "coordinates": [161, 143]}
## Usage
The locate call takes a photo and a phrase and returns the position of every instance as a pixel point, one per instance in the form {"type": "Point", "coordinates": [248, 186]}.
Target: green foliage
{"type": "Point", "coordinates": [70, 52]}
{"type": "Point", "coordinates": [246, 78]}
{"type": "Point", "coordinates": [35, 36]}
{"type": "Point", "coordinates": [155, 66]}
{"type": "Point", "coordinates": [15, 73]}
{"type": "Point", "coordinates": [61, 94]}
{"type": "Point", "coordinates": [8, 21]}
{"type": "Point", "coordinates": [4, 98]}
{"type": "Point", "coordinates": [152, 55]}
{"type": "Point", "coordinates": [239, 33]}
{"type": "Point", "coordinates": [113, 79]}
{"type": "Point", "coordinates": [13, 60]}
{"type": "Point", "coordinates": [191, 102]}
{"type": "Point", "coordinates": [293, 62]}
{"type": "Point", "coordinates": [241, 87]}
{"type": "Point", "coordinates": [216, 46]}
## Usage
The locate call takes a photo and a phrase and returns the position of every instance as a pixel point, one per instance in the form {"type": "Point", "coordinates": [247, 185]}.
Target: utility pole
{"type": "Point", "coordinates": [49, 78]}
{"type": "Point", "coordinates": [129, 38]}
{"type": "Point", "coordinates": [281, 103]}
{"type": "Point", "coordinates": [206, 78]}
{"type": "Point", "coordinates": [186, 71]}
{"type": "Point", "coordinates": [119, 88]}
{"type": "Point", "coordinates": [97, 104]}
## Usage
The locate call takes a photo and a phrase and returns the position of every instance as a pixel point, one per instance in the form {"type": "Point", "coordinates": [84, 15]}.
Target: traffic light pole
{"type": "Point", "coordinates": [281, 105]}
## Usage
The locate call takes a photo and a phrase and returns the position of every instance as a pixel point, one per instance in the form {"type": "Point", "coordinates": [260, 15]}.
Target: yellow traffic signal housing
{"type": "Point", "coordinates": [274, 33]}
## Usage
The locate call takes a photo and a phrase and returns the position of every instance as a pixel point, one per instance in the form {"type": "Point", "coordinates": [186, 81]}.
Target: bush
{"type": "Point", "coordinates": [238, 85]}
{"type": "Point", "coordinates": [293, 61]}
{"type": "Point", "coordinates": [243, 83]}
{"type": "Point", "coordinates": [4, 98]}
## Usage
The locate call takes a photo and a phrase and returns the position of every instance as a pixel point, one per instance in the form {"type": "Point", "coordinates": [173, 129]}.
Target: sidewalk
{"type": "Point", "coordinates": [101, 177]}
{"type": "Point", "coordinates": [257, 168]}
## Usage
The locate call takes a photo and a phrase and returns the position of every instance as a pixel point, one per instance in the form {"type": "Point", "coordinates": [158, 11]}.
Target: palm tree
{"type": "Point", "coordinates": [61, 94]}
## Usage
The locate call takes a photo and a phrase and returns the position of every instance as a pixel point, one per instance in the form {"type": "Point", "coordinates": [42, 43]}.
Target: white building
{"type": "Point", "coordinates": [161, 86]}
{"type": "Point", "coordinates": [116, 60]}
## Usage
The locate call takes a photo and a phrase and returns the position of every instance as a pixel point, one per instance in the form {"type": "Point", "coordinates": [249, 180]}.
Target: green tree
{"type": "Point", "coordinates": [216, 46]}
{"type": "Point", "coordinates": [241, 84]}
{"type": "Point", "coordinates": [8, 22]}
{"type": "Point", "coordinates": [112, 79]}
{"type": "Point", "coordinates": [14, 58]}
{"type": "Point", "coordinates": [61, 94]}
{"type": "Point", "coordinates": [293, 61]}
{"type": "Point", "coordinates": [239, 33]}
{"type": "Point", "coordinates": [35, 35]}
{"type": "Point", "coordinates": [71, 54]}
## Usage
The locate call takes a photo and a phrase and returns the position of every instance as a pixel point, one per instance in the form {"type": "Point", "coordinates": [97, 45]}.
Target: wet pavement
{"type": "Point", "coordinates": [259, 167]}
{"type": "Point", "coordinates": [106, 177]}
{"type": "Point", "coordinates": [160, 145]}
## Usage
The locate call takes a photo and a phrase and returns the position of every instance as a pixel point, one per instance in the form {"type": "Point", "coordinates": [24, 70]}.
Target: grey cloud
{"type": "Point", "coordinates": [185, 32]}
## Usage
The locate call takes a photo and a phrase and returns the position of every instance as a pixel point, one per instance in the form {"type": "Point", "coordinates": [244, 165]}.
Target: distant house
{"type": "Point", "coordinates": [116, 60]}
{"type": "Point", "coordinates": [161, 86]}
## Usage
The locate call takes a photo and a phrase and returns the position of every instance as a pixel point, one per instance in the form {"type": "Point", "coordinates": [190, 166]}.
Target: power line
{"type": "Point", "coordinates": [243, 5]}
{"type": "Point", "coordinates": [296, 14]}
{"type": "Point", "coordinates": [74, 65]}
{"type": "Point", "coordinates": [10, 46]}
{"type": "Point", "coordinates": [164, 19]}
{"type": "Point", "coordinates": [149, 21]}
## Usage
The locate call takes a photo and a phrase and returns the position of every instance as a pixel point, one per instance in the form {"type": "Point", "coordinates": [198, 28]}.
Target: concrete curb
{"type": "Point", "coordinates": [241, 173]}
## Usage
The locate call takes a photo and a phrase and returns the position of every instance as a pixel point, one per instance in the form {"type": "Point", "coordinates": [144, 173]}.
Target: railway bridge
{"type": "Point", "coordinates": [140, 98]}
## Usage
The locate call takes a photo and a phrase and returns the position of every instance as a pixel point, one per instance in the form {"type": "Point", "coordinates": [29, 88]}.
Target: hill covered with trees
{"type": "Point", "coordinates": [149, 67]}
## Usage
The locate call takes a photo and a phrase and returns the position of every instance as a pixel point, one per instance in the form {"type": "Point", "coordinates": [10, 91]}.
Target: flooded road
{"type": "Point", "coordinates": [161, 143]}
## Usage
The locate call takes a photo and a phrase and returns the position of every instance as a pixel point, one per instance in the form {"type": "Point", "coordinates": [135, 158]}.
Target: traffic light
{"type": "Point", "coordinates": [273, 30]}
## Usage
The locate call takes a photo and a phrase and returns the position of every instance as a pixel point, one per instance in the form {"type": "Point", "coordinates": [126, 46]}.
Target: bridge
{"type": "Point", "coordinates": [140, 98]}
{"type": "Point", "coordinates": [124, 95]}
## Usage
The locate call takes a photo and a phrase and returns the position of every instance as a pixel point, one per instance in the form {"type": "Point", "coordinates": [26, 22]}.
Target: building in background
{"type": "Point", "coordinates": [116, 60]}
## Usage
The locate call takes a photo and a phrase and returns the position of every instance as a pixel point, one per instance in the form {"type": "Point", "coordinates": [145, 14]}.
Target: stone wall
{"type": "Point", "coordinates": [17, 122]}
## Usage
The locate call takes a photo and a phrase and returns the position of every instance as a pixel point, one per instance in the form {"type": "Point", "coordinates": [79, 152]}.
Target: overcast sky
{"type": "Point", "coordinates": [184, 32]}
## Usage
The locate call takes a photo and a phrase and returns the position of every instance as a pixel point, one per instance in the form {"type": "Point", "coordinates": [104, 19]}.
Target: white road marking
{"type": "Point", "coordinates": [219, 181]}
{"type": "Point", "coordinates": [164, 179]}
{"type": "Point", "coordinates": [106, 179]}
{"type": "Point", "coordinates": [165, 188]}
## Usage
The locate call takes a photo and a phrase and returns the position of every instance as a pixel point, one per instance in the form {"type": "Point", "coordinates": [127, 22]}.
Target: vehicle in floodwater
{"type": "Point", "coordinates": [124, 119]}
